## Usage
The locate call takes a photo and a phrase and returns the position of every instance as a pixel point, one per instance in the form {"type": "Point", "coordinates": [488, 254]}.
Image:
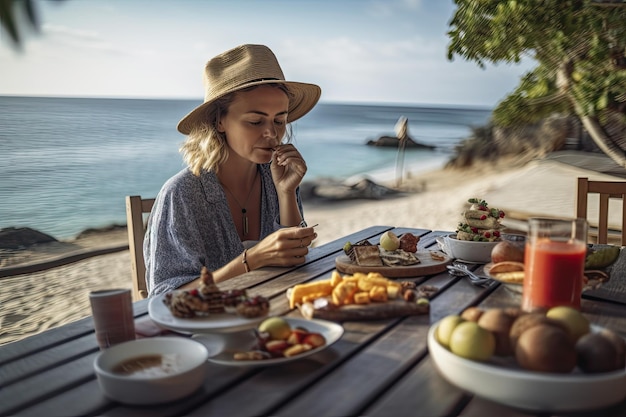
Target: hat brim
{"type": "Point", "coordinates": [304, 97]}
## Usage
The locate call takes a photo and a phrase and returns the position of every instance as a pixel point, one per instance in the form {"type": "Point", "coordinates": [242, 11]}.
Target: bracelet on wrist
{"type": "Point", "coordinates": [244, 260]}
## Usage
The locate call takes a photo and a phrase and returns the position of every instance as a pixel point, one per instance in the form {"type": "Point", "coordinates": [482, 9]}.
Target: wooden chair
{"type": "Point", "coordinates": [136, 207]}
{"type": "Point", "coordinates": [606, 190]}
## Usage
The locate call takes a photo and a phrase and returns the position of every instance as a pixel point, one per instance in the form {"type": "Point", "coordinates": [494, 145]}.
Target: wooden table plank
{"type": "Point", "coordinates": [421, 392]}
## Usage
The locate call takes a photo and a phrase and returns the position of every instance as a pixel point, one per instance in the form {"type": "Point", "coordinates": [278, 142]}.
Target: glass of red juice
{"type": "Point", "coordinates": [554, 263]}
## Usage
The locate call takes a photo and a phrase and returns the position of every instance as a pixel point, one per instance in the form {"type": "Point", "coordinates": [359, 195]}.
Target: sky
{"type": "Point", "coordinates": [358, 51]}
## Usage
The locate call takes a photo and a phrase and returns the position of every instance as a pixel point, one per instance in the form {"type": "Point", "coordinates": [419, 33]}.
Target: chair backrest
{"type": "Point", "coordinates": [136, 207]}
{"type": "Point", "coordinates": [605, 191]}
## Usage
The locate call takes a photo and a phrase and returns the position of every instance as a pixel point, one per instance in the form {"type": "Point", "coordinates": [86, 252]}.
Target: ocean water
{"type": "Point", "coordinates": [66, 164]}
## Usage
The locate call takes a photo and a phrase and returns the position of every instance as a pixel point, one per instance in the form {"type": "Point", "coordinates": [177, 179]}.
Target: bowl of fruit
{"type": "Point", "coordinates": [550, 361]}
{"type": "Point", "coordinates": [274, 341]}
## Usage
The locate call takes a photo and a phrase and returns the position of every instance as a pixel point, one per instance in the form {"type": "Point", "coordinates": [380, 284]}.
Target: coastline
{"type": "Point", "coordinates": [33, 302]}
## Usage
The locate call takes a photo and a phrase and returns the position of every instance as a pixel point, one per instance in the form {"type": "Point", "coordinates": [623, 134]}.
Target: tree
{"type": "Point", "coordinates": [9, 12]}
{"type": "Point", "coordinates": [580, 50]}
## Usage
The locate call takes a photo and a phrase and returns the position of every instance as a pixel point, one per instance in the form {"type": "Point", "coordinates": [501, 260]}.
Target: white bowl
{"type": "Point", "coordinates": [466, 250]}
{"type": "Point", "coordinates": [189, 359]}
{"type": "Point", "coordinates": [503, 381]}
{"type": "Point", "coordinates": [471, 251]}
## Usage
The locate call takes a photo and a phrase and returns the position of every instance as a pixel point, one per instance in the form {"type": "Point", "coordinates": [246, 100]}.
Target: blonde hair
{"type": "Point", "coordinates": [205, 147]}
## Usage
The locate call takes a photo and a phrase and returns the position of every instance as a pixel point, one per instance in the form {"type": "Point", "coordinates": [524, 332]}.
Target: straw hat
{"type": "Point", "coordinates": [242, 67]}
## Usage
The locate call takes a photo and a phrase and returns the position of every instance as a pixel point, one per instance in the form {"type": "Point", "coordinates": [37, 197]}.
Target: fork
{"type": "Point", "coordinates": [460, 270]}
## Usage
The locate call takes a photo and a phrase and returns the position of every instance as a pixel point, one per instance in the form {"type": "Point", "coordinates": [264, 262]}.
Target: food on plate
{"type": "Point", "coordinates": [359, 297]}
{"type": "Point", "coordinates": [598, 353]}
{"type": "Point", "coordinates": [408, 242]}
{"type": "Point", "coordinates": [471, 341]}
{"type": "Point", "coordinates": [498, 322]}
{"type": "Point", "coordinates": [389, 241]}
{"type": "Point", "coordinates": [558, 340]}
{"type": "Point", "coordinates": [508, 272]}
{"type": "Point", "coordinates": [275, 338]}
{"type": "Point", "coordinates": [546, 348]}
{"type": "Point", "coordinates": [572, 320]}
{"type": "Point", "coordinates": [506, 250]}
{"type": "Point", "coordinates": [210, 293]}
{"type": "Point", "coordinates": [480, 223]}
{"type": "Point", "coordinates": [602, 257]}
{"type": "Point", "coordinates": [341, 290]}
{"type": "Point", "coordinates": [437, 256]}
{"type": "Point", "coordinates": [472, 313]}
{"type": "Point", "coordinates": [391, 251]}
{"type": "Point", "coordinates": [506, 266]}
{"type": "Point", "coordinates": [208, 299]}
{"type": "Point", "coordinates": [446, 327]}
{"type": "Point", "coordinates": [367, 255]}
{"type": "Point", "coordinates": [277, 328]}
{"type": "Point", "coordinates": [252, 307]}
{"type": "Point", "coordinates": [620, 346]}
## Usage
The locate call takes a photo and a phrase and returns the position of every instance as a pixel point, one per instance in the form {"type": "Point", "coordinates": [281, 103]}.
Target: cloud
{"type": "Point", "coordinates": [89, 40]}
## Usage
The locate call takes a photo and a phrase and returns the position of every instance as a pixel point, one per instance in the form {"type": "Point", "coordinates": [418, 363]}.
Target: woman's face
{"type": "Point", "coordinates": [256, 122]}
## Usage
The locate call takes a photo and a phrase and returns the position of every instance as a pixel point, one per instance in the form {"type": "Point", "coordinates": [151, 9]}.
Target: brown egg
{"type": "Point", "coordinates": [497, 321]}
{"type": "Point", "coordinates": [472, 313]}
{"type": "Point", "coordinates": [546, 348]}
{"type": "Point", "coordinates": [596, 353]}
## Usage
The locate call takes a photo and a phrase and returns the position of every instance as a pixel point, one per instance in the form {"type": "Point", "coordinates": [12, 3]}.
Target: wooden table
{"type": "Point", "coordinates": [377, 368]}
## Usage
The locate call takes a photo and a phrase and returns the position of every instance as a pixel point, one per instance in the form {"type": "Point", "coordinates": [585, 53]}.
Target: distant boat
{"type": "Point", "coordinates": [402, 139]}
{"type": "Point", "coordinates": [394, 142]}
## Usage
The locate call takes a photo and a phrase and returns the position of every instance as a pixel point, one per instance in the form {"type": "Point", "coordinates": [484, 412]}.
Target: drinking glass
{"type": "Point", "coordinates": [554, 263]}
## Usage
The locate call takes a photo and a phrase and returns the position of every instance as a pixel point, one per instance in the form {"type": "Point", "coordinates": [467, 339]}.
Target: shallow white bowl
{"type": "Point", "coordinates": [191, 367]}
{"type": "Point", "coordinates": [466, 250]}
{"type": "Point", "coordinates": [473, 252]}
{"type": "Point", "coordinates": [503, 381]}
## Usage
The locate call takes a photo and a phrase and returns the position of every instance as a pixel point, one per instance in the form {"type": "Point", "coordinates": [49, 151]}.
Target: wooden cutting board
{"type": "Point", "coordinates": [371, 311]}
{"type": "Point", "coordinates": [427, 266]}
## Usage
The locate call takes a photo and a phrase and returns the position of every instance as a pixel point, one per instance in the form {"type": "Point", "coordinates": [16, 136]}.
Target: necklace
{"type": "Point", "coordinates": [244, 215]}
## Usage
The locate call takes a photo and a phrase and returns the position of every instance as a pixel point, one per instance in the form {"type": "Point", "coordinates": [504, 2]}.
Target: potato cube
{"type": "Point", "coordinates": [335, 278]}
{"type": "Point", "coordinates": [362, 297]}
{"type": "Point", "coordinates": [378, 293]}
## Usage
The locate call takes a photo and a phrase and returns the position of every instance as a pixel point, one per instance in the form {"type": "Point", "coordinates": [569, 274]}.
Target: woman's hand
{"type": "Point", "coordinates": [284, 247]}
{"type": "Point", "coordinates": [288, 168]}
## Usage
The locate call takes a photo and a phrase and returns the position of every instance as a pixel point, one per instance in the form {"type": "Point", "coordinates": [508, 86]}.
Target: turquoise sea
{"type": "Point", "coordinates": [66, 164]}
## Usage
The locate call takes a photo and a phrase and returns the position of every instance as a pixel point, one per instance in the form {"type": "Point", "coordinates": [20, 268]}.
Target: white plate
{"type": "Point", "coordinates": [223, 346]}
{"type": "Point", "coordinates": [526, 389]}
{"type": "Point", "coordinates": [222, 323]}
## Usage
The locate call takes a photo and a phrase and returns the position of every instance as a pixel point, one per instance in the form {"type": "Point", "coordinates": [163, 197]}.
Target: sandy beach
{"type": "Point", "coordinates": [32, 303]}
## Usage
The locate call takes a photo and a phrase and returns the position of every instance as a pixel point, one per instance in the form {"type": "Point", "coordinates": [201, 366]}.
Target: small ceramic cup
{"type": "Point", "coordinates": [113, 318]}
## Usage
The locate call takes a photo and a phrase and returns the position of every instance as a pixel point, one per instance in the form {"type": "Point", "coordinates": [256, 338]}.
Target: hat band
{"type": "Point", "coordinates": [258, 80]}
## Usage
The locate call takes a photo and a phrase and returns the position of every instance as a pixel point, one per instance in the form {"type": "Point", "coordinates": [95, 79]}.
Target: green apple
{"type": "Point", "coordinates": [471, 341]}
{"type": "Point", "coordinates": [573, 320]}
{"type": "Point", "coordinates": [445, 328]}
{"type": "Point", "coordinates": [389, 241]}
{"type": "Point", "coordinates": [276, 327]}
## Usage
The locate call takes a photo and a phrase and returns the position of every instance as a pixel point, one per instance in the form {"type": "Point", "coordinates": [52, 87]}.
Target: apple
{"type": "Point", "coordinates": [573, 320]}
{"type": "Point", "coordinates": [296, 336]}
{"type": "Point", "coordinates": [446, 327]}
{"type": "Point", "coordinates": [314, 339]}
{"type": "Point", "coordinates": [276, 327]}
{"type": "Point", "coordinates": [471, 341]}
{"type": "Point", "coordinates": [277, 347]}
{"type": "Point", "coordinates": [506, 251]}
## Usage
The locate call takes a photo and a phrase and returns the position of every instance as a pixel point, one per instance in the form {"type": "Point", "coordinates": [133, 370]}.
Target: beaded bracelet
{"type": "Point", "coordinates": [244, 261]}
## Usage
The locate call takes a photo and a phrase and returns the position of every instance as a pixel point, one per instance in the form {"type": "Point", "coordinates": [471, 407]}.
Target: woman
{"type": "Point", "coordinates": [236, 207]}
